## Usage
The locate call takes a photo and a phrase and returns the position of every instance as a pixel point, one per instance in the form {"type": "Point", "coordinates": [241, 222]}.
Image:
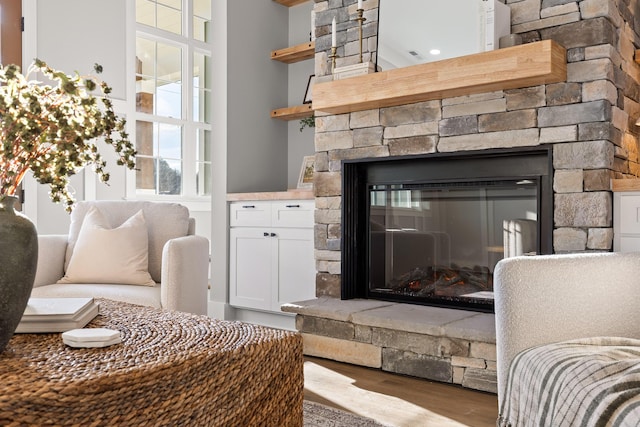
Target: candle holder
{"type": "Point", "coordinates": [333, 57]}
{"type": "Point", "coordinates": [360, 20]}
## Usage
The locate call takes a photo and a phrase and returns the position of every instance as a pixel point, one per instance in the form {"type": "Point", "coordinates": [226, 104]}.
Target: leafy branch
{"type": "Point", "coordinates": [51, 130]}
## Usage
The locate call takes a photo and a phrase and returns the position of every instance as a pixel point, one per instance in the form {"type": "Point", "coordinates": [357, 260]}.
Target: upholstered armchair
{"type": "Point", "coordinates": [589, 299]}
{"type": "Point", "coordinates": [140, 252]}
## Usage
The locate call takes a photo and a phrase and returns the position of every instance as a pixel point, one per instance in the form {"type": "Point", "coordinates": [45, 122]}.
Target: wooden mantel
{"type": "Point", "coordinates": [509, 68]}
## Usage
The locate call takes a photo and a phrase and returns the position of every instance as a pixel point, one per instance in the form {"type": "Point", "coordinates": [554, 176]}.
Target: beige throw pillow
{"type": "Point", "coordinates": [105, 255]}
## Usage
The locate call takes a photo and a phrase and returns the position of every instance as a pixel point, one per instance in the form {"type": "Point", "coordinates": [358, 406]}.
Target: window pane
{"type": "Point", "coordinates": [163, 14]}
{"type": "Point", "coordinates": [201, 88]}
{"type": "Point", "coordinates": [169, 99]}
{"type": "Point", "coordinates": [169, 141]}
{"type": "Point", "coordinates": [170, 176]}
{"type": "Point", "coordinates": [146, 12]}
{"type": "Point", "coordinates": [202, 20]}
{"type": "Point", "coordinates": [169, 62]}
{"type": "Point", "coordinates": [145, 168]}
{"type": "Point", "coordinates": [159, 160]}
{"type": "Point", "coordinates": [162, 79]}
{"type": "Point", "coordinates": [145, 175]}
{"type": "Point", "coordinates": [169, 19]}
{"type": "Point", "coordinates": [145, 57]}
{"type": "Point", "coordinates": [146, 138]}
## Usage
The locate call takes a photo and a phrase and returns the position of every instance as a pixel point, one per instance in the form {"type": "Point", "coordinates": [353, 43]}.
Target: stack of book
{"type": "Point", "coordinates": [47, 315]}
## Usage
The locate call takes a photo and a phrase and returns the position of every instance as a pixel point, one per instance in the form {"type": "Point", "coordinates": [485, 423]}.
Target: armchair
{"type": "Point", "coordinates": [548, 299]}
{"type": "Point", "coordinates": [178, 260]}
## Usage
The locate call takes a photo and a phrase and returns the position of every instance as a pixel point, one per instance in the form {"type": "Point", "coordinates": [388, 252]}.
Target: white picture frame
{"type": "Point", "coordinates": [305, 180]}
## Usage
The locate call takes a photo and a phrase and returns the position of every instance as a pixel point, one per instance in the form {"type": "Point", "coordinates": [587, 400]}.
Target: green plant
{"type": "Point", "coordinates": [307, 121]}
{"type": "Point", "coordinates": [51, 130]}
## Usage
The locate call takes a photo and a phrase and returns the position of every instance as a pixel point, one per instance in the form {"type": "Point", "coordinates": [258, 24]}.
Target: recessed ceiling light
{"type": "Point", "coordinates": [434, 51]}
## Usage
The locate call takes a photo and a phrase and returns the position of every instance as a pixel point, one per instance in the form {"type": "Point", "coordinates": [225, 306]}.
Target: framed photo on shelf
{"type": "Point", "coordinates": [306, 172]}
{"type": "Point", "coordinates": [307, 93]}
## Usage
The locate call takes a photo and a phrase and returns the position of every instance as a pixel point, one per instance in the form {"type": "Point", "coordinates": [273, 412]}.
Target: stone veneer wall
{"type": "Point", "coordinates": [589, 120]}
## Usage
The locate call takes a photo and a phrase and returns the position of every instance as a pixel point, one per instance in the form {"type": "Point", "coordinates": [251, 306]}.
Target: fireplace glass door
{"type": "Point", "coordinates": [438, 244]}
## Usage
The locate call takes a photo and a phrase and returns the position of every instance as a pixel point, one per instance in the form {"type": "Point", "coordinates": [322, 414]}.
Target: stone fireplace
{"type": "Point", "coordinates": [430, 229]}
{"type": "Point", "coordinates": [586, 124]}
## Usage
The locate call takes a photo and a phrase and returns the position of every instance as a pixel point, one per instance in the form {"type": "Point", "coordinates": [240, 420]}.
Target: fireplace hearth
{"type": "Point", "coordinates": [430, 229]}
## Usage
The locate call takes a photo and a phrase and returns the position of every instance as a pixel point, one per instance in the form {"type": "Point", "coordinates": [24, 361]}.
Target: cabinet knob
{"type": "Point", "coordinates": [293, 206]}
{"type": "Point", "coordinates": [265, 234]}
{"type": "Point", "coordinates": [248, 207]}
{"type": "Point", "coordinates": [273, 234]}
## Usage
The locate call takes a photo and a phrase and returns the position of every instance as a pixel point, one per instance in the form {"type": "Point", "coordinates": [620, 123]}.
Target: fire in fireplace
{"type": "Point", "coordinates": [430, 229]}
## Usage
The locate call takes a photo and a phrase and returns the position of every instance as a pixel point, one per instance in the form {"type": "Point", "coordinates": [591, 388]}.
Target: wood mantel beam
{"type": "Point", "coordinates": [509, 68]}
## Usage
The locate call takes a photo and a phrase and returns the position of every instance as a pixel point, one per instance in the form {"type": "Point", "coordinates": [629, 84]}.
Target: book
{"type": "Point", "coordinates": [47, 315]}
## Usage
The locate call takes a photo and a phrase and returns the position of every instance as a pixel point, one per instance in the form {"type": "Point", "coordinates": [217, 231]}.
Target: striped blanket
{"type": "Point", "coordinates": [587, 382]}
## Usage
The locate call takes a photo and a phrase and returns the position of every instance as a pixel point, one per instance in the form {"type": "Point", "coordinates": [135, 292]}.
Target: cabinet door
{"type": "Point", "coordinates": [295, 277]}
{"type": "Point", "coordinates": [250, 268]}
{"type": "Point", "coordinates": [629, 244]}
{"type": "Point", "coordinates": [629, 214]}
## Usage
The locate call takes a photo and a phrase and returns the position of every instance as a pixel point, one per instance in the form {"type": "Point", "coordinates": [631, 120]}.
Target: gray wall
{"type": "Point", "coordinates": [257, 144]}
{"type": "Point", "coordinates": [300, 143]}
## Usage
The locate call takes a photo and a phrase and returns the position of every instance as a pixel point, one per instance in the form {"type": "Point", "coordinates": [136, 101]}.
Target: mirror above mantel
{"type": "Point", "coordinates": [412, 32]}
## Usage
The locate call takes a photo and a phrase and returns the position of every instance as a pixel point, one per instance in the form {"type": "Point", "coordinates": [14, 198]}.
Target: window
{"type": "Point", "coordinates": [173, 98]}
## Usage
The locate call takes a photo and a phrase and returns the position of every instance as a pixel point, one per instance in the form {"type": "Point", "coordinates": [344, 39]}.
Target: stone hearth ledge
{"type": "Point", "coordinates": [442, 344]}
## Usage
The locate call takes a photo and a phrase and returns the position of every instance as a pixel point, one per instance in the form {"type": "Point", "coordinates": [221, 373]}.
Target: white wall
{"type": "Point", "coordinates": [63, 34]}
{"type": "Point", "coordinates": [256, 144]}
{"type": "Point", "coordinates": [219, 219]}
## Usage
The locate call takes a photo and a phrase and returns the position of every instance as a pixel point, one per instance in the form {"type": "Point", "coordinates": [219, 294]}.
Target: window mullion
{"type": "Point", "coordinates": [188, 142]}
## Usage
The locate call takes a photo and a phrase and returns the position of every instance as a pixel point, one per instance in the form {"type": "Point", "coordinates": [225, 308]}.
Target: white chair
{"type": "Point", "coordinates": [73, 265]}
{"type": "Point", "coordinates": [540, 300]}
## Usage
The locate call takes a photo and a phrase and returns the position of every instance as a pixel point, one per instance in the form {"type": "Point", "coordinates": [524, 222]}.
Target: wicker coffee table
{"type": "Point", "coordinates": [171, 369]}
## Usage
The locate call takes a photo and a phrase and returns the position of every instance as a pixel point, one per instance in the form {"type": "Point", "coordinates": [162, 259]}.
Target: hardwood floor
{"type": "Point", "coordinates": [396, 400]}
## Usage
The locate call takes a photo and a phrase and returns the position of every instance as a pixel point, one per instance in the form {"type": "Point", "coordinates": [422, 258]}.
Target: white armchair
{"type": "Point", "coordinates": [553, 298]}
{"type": "Point", "coordinates": [178, 260]}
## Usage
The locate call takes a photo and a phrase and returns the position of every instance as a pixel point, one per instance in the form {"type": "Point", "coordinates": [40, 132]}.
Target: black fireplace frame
{"type": "Point", "coordinates": [495, 164]}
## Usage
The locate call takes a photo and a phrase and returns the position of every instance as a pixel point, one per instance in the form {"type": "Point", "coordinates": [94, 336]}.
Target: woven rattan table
{"type": "Point", "coordinates": [171, 369]}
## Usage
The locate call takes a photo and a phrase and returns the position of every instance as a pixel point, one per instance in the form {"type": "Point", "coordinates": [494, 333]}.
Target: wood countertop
{"type": "Point", "coordinates": [630, 184]}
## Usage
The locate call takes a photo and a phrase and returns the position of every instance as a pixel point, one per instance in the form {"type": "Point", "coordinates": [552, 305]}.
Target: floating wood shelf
{"type": "Point", "coordinates": [509, 68]}
{"type": "Point", "coordinates": [296, 53]}
{"type": "Point", "coordinates": [290, 3]}
{"type": "Point", "coordinates": [293, 113]}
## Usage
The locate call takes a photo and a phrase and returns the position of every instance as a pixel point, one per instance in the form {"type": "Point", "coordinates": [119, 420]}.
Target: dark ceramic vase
{"type": "Point", "coordinates": [18, 262]}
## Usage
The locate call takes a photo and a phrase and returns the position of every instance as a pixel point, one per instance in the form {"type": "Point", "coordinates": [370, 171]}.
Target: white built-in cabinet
{"type": "Point", "coordinates": [626, 221]}
{"type": "Point", "coordinates": [271, 255]}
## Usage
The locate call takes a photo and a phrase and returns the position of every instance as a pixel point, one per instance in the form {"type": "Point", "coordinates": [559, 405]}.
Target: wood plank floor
{"type": "Point", "coordinates": [396, 400]}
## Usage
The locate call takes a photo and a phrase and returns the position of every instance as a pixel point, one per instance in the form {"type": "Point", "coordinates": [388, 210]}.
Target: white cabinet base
{"type": "Point", "coordinates": [271, 254]}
